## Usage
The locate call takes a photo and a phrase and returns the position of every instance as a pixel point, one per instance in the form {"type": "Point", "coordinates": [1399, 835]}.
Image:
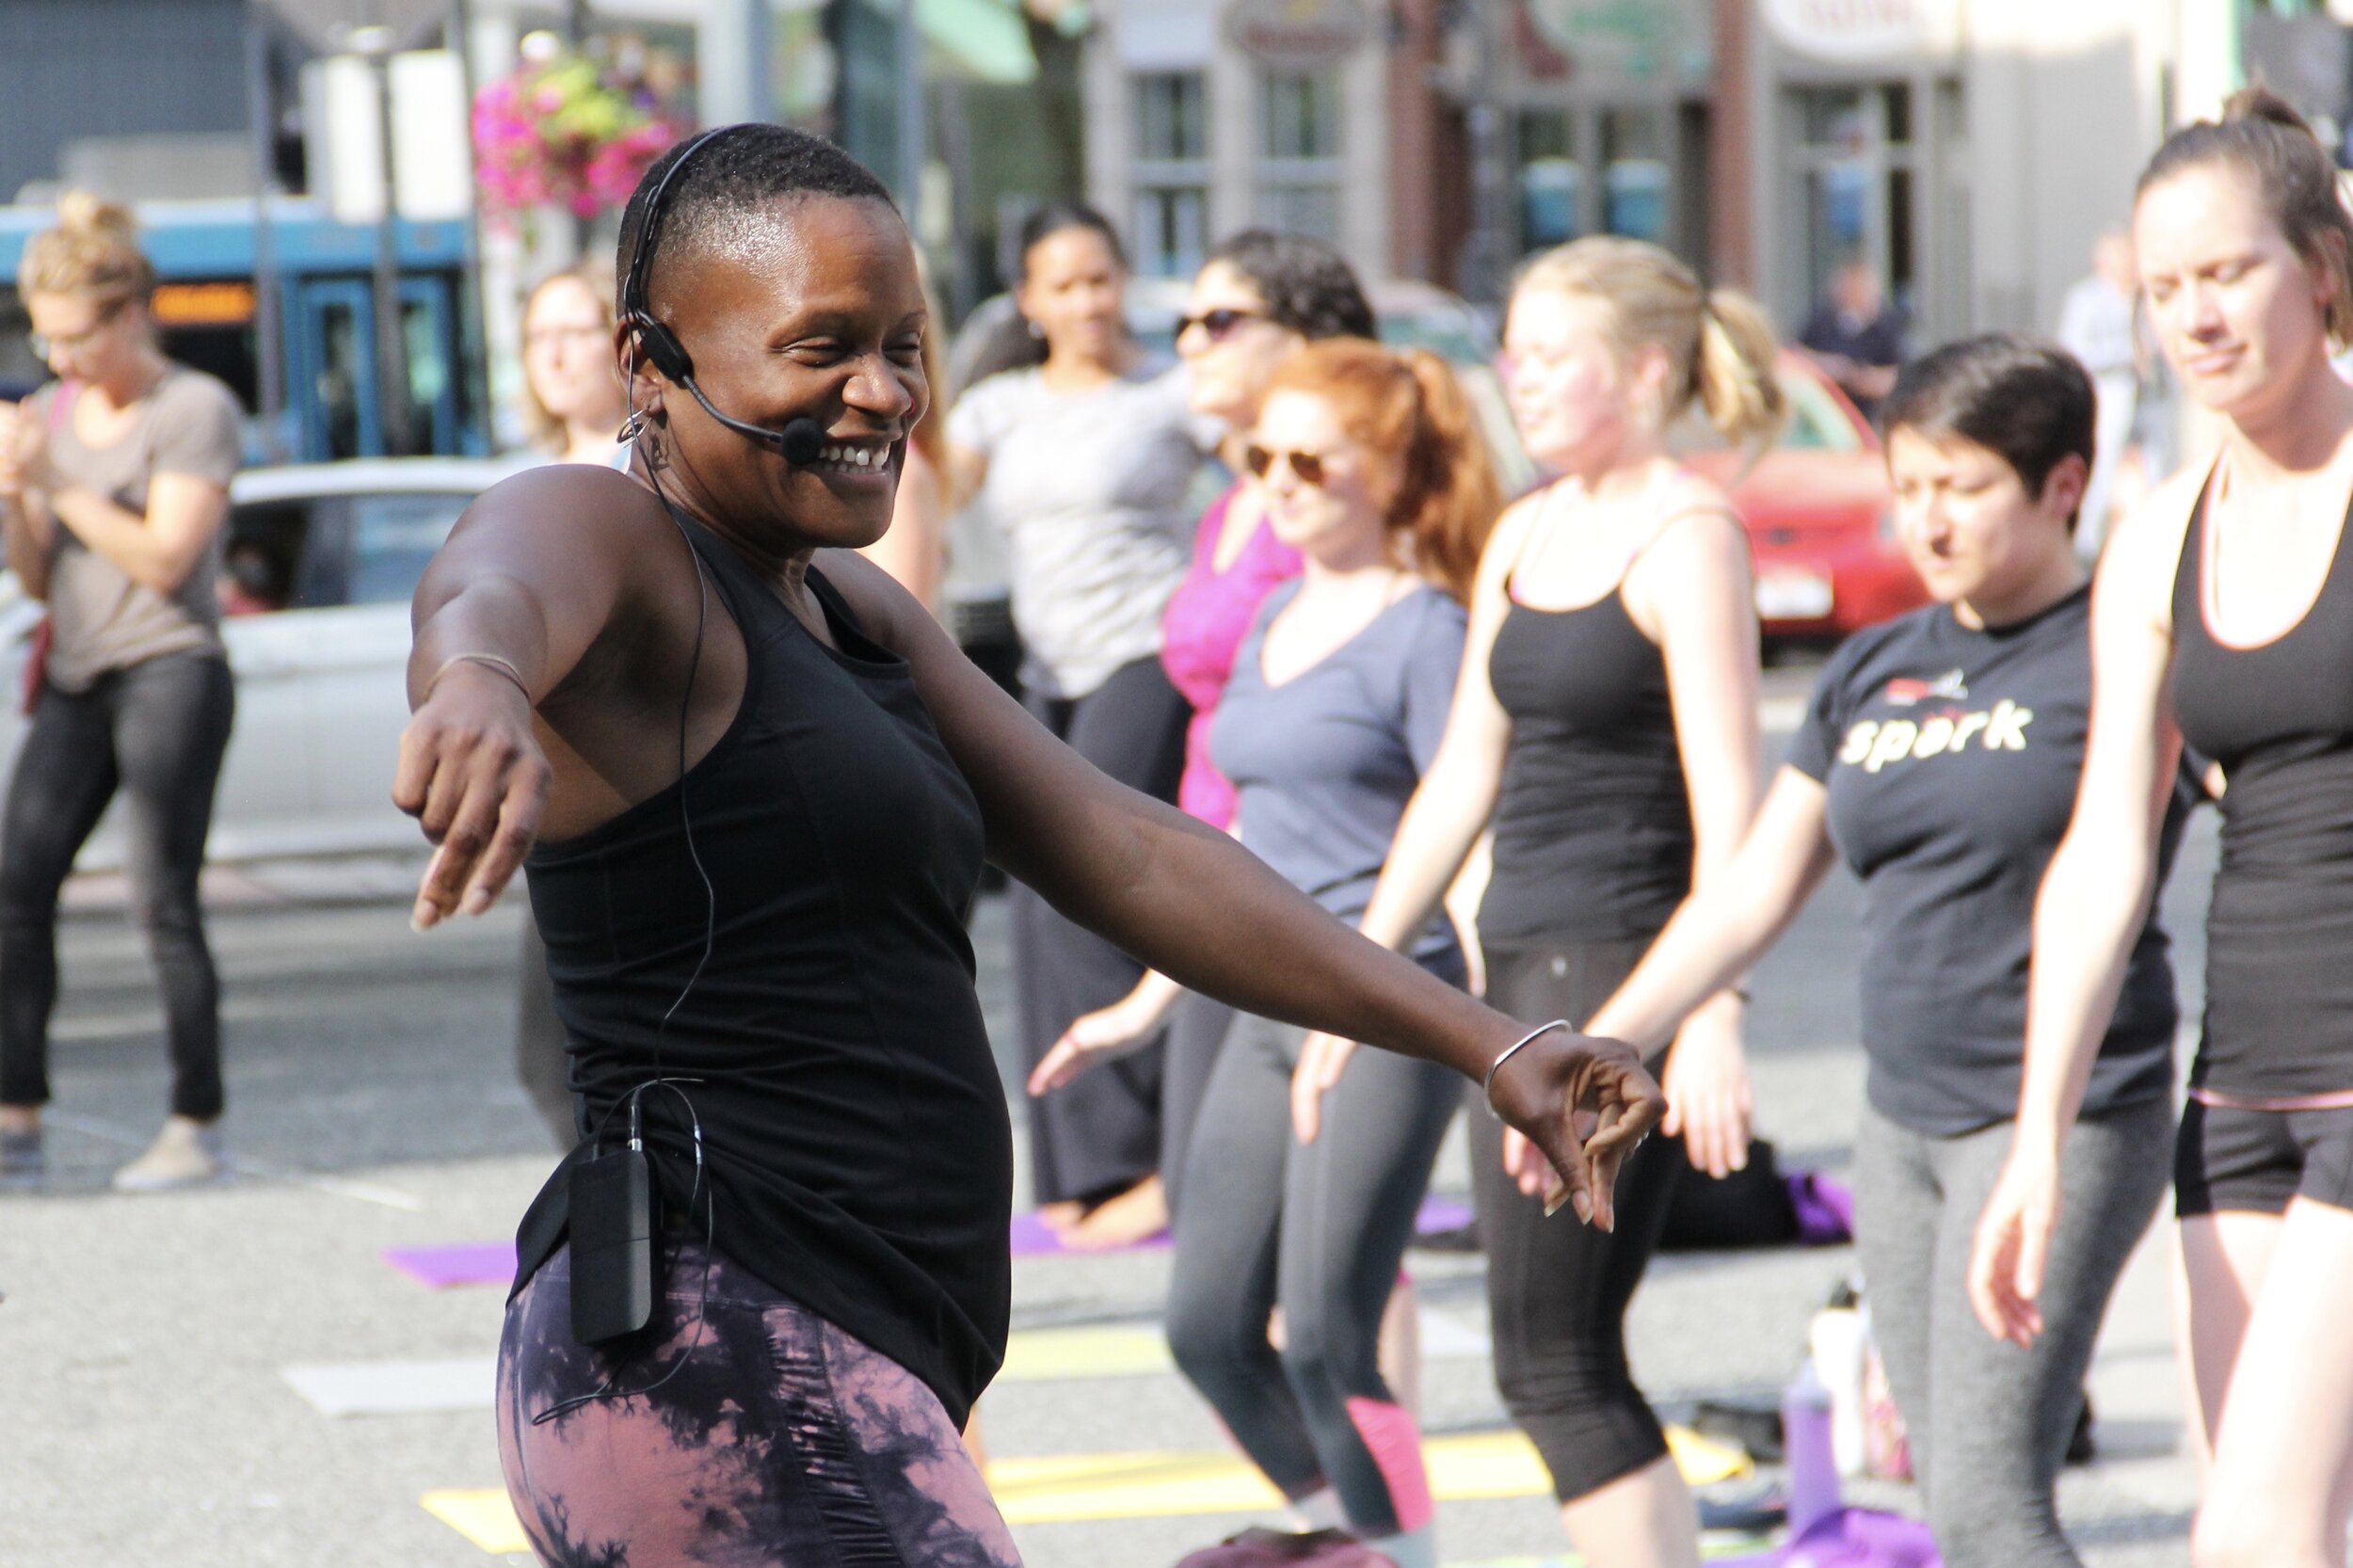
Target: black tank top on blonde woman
{"type": "Point", "coordinates": [1593, 828]}
{"type": "Point", "coordinates": [853, 1126]}
{"type": "Point", "coordinates": [2279, 717]}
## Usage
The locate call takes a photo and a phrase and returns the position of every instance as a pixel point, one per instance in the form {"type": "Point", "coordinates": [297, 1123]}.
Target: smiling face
{"type": "Point", "coordinates": [2239, 314]}
{"type": "Point", "coordinates": [809, 308]}
{"type": "Point", "coordinates": [1968, 525]}
{"type": "Point", "coordinates": [1231, 347]}
{"type": "Point", "coordinates": [1073, 291]}
{"type": "Point", "coordinates": [1572, 396]}
{"type": "Point", "coordinates": [567, 353]}
{"type": "Point", "coordinates": [1338, 517]}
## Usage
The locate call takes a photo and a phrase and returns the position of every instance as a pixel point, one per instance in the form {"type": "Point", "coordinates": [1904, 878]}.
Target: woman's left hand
{"type": "Point", "coordinates": [1708, 1098]}
{"type": "Point", "coordinates": [1322, 1061]}
{"type": "Point", "coordinates": [1586, 1102]}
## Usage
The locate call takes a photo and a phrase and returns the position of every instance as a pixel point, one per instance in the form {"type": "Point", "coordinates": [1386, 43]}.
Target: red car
{"type": "Point", "coordinates": [1819, 512]}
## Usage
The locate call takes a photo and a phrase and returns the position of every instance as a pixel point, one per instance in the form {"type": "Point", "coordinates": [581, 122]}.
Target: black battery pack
{"type": "Point", "coordinates": [613, 1246]}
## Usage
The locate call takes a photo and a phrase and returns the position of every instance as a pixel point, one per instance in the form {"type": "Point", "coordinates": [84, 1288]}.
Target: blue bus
{"type": "Point", "coordinates": [209, 301]}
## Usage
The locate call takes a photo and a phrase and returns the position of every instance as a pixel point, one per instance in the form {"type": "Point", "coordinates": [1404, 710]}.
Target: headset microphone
{"type": "Point", "coordinates": [800, 441]}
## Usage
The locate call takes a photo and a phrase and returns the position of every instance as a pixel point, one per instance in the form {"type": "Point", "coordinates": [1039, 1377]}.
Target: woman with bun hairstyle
{"type": "Point", "coordinates": [2222, 622]}
{"type": "Point", "coordinates": [1606, 722]}
{"type": "Point", "coordinates": [1086, 461]}
{"type": "Point", "coordinates": [1939, 758]}
{"type": "Point", "coordinates": [1258, 298]}
{"type": "Point", "coordinates": [114, 486]}
{"type": "Point", "coordinates": [1372, 469]}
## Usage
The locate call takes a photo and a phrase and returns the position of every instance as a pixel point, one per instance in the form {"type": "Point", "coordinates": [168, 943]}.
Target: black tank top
{"type": "Point", "coordinates": [853, 1126]}
{"type": "Point", "coordinates": [1593, 827]}
{"type": "Point", "coordinates": [2279, 717]}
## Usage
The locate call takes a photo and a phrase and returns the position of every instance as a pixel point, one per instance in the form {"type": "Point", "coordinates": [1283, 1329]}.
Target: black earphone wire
{"type": "Point", "coordinates": [633, 1100]}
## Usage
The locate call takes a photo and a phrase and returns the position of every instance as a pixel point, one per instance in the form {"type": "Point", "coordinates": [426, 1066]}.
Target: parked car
{"type": "Point", "coordinates": [322, 689]}
{"type": "Point", "coordinates": [1819, 515]}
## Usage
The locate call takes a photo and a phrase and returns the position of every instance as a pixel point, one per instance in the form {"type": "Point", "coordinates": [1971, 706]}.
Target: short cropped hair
{"type": "Point", "coordinates": [2027, 401]}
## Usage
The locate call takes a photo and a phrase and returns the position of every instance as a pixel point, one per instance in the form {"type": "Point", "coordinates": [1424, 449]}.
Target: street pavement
{"type": "Point", "coordinates": [156, 1350]}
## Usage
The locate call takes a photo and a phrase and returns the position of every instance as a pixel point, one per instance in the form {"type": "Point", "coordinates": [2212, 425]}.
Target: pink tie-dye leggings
{"type": "Point", "coordinates": [779, 1441]}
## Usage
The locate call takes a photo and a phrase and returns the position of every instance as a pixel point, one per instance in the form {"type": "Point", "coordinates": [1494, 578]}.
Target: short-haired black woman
{"type": "Point", "coordinates": [761, 781]}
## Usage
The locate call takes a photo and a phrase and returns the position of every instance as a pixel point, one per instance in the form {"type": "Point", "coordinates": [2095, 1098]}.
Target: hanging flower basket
{"type": "Point", "coordinates": [558, 131]}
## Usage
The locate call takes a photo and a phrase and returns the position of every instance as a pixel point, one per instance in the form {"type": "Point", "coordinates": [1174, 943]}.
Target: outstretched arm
{"type": "Point", "coordinates": [1191, 902]}
{"type": "Point", "coordinates": [2094, 900]}
{"type": "Point", "coordinates": [503, 616]}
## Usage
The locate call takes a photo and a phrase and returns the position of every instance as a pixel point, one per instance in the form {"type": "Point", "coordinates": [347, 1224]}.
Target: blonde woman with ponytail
{"type": "Point", "coordinates": [1368, 464]}
{"type": "Point", "coordinates": [114, 485]}
{"type": "Point", "coordinates": [1606, 725]}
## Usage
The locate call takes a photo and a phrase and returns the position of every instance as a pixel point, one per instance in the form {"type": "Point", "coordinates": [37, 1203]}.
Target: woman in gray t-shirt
{"type": "Point", "coordinates": [1086, 461]}
{"type": "Point", "coordinates": [114, 486]}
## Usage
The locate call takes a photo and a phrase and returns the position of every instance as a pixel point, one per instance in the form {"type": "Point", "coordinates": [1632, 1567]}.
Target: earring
{"type": "Point", "coordinates": [632, 427]}
{"type": "Point", "coordinates": [1035, 330]}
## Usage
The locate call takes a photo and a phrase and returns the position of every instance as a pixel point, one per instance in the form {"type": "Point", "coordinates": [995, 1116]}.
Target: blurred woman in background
{"type": "Point", "coordinates": [1606, 722]}
{"type": "Point", "coordinates": [574, 402]}
{"type": "Point", "coordinates": [114, 490]}
{"type": "Point", "coordinates": [1085, 460]}
{"type": "Point", "coordinates": [1370, 467]}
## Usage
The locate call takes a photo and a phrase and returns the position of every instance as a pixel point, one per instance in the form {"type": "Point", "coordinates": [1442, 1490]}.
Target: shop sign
{"type": "Point", "coordinates": [1862, 30]}
{"type": "Point", "coordinates": [1639, 38]}
{"type": "Point", "coordinates": [1297, 35]}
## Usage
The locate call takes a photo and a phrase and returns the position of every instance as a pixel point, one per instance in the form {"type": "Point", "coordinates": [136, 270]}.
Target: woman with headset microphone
{"type": "Point", "coordinates": [755, 923]}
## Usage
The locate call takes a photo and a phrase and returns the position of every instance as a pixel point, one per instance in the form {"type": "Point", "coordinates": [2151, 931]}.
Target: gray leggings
{"type": "Point", "coordinates": [1321, 1229]}
{"type": "Point", "coordinates": [1990, 1422]}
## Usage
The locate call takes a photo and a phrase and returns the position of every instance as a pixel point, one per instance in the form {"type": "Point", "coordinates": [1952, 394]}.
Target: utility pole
{"type": "Point", "coordinates": [1486, 249]}
{"type": "Point", "coordinates": [269, 352]}
{"type": "Point", "coordinates": [375, 45]}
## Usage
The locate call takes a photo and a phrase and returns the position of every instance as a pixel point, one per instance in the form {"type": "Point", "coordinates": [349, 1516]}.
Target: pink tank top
{"type": "Point", "coordinates": [1202, 631]}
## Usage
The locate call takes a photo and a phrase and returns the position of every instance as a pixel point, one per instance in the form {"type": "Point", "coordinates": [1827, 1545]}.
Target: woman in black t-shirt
{"type": "Point", "coordinates": [1939, 759]}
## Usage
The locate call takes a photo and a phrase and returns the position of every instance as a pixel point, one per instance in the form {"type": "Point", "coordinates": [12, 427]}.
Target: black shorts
{"type": "Point", "coordinates": [2230, 1158]}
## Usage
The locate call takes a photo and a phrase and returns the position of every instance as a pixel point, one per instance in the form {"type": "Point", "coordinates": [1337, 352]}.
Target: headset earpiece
{"type": "Point", "coordinates": [663, 351]}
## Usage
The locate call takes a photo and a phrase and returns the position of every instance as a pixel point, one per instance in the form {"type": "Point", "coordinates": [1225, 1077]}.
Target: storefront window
{"type": "Point", "coordinates": [1634, 174]}
{"type": "Point", "coordinates": [1858, 174]}
{"type": "Point", "coordinates": [1550, 184]}
{"type": "Point", "coordinates": [1172, 172]}
{"type": "Point", "coordinates": [1299, 164]}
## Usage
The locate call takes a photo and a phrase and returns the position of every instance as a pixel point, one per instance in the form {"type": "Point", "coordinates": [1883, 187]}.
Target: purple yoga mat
{"type": "Point", "coordinates": [1031, 1238]}
{"type": "Point", "coordinates": [455, 1263]}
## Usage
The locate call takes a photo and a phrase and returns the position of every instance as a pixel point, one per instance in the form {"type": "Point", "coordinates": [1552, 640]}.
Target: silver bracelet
{"type": "Point", "coordinates": [1513, 1050]}
{"type": "Point", "coordinates": [489, 660]}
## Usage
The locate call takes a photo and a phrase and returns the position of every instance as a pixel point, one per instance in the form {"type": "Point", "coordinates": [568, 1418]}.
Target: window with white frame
{"type": "Point", "coordinates": [1170, 172]}
{"type": "Point", "coordinates": [1299, 153]}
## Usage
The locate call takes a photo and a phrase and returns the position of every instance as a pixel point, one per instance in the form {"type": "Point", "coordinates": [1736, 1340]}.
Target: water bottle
{"type": "Point", "coordinates": [1806, 1425]}
{"type": "Point", "coordinates": [1840, 1338]}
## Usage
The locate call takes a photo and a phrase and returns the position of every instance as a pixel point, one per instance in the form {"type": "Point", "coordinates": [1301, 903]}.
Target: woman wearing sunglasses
{"type": "Point", "coordinates": [1369, 465]}
{"type": "Point", "coordinates": [1606, 722]}
{"type": "Point", "coordinates": [1258, 298]}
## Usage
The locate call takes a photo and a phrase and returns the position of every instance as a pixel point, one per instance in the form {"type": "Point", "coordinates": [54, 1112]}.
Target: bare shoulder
{"type": "Point", "coordinates": [1508, 541]}
{"type": "Point", "coordinates": [1697, 528]}
{"type": "Point", "coordinates": [2144, 550]}
{"type": "Point", "coordinates": [885, 612]}
{"type": "Point", "coordinates": [588, 502]}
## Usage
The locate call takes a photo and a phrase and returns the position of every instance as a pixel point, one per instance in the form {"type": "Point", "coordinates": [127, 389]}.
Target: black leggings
{"type": "Point", "coordinates": [1557, 1290]}
{"type": "Point", "coordinates": [1321, 1230]}
{"type": "Point", "coordinates": [155, 733]}
{"type": "Point", "coordinates": [1099, 1136]}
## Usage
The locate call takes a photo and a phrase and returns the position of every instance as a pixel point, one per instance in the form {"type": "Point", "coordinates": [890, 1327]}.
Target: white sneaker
{"type": "Point", "coordinates": [185, 1154]}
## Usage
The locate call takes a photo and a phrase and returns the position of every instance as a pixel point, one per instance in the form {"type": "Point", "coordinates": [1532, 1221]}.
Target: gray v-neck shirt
{"type": "Point", "coordinates": [1325, 763]}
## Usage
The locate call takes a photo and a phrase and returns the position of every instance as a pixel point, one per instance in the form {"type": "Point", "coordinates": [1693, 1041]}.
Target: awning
{"type": "Point", "coordinates": [979, 40]}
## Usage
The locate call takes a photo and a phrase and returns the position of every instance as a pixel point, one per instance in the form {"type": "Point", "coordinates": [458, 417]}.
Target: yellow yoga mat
{"type": "Point", "coordinates": [1059, 1488]}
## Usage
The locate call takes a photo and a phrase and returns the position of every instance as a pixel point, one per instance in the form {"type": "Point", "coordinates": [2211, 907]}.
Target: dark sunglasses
{"type": "Point", "coordinates": [1308, 464]}
{"type": "Point", "coordinates": [1219, 324]}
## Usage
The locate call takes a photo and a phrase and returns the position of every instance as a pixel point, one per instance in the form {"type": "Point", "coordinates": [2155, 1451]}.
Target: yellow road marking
{"type": "Point", "coordinates": [1059, 1488]}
